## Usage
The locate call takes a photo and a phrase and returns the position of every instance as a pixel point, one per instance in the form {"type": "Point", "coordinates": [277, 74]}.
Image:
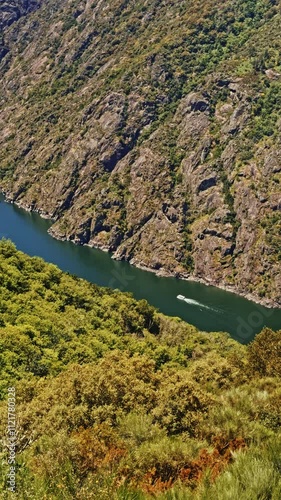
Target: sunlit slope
{"type": "Point", "coordinates": [151, 129]}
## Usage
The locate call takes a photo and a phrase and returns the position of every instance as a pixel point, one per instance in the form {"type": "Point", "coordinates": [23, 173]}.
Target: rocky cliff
{"type": "Point", "coordinates": [151, 129]}
{"type": "Point", "coordinates": [11, 11]}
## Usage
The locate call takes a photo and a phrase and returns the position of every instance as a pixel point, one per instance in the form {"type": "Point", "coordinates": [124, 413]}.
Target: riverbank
{"type": "Point", "coordinates": [195, 279]}
{"type": "Point", "coordinates": [162, 272]}
{"type": "Point", "coordinates": [213, 309]}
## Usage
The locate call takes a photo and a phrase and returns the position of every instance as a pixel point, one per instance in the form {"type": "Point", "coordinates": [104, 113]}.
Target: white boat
{"type": "Point", "coordinates": [180, 297]}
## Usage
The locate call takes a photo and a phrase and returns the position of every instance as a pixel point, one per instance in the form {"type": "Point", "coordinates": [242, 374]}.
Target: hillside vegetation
{"type": "Point", "coordinates": [116, 401]}
{"type": "Point", "coordinates": [152, 129]}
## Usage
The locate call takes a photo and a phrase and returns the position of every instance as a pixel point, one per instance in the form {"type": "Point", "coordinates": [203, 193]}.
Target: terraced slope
{"type": "Point", "coordinates": [151, 129]}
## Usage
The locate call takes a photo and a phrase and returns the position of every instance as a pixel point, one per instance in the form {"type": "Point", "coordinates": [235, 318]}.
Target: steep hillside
{"type": "Point", "coordinates": [11, 11]}
{"type": "Point", "coordinates": [152, 129]}
{"type": "Point", "coordinates": [115, 401]}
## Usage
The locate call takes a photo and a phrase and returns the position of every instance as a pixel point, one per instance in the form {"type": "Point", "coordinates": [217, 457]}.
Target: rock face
{"type": "Point", "coordinates": [115, 123]}
{"type": "Point", "coordinates": [12, 10]}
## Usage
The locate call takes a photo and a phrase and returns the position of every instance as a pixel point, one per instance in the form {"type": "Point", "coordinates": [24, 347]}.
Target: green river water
{"type": "Point", "coordinates": [207, 307]}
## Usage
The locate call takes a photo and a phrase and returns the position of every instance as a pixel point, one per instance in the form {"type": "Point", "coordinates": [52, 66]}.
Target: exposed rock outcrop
{"type": "Point", "coordinates": [142, 150]}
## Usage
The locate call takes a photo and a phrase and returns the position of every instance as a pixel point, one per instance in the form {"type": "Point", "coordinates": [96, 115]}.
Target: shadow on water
{"type": "Point", "coordinates": [206, 307]}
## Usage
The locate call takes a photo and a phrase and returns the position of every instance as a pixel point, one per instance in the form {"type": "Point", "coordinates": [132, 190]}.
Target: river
{"type": "Point", "coordinates": [207, 307]}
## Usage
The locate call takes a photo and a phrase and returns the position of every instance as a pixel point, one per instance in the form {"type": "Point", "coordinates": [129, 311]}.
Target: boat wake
{"type": "Point", "coordinates": [193, 302]}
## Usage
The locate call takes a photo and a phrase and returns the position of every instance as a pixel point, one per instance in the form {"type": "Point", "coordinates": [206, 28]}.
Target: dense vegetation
{"type": "Point", "coordinates": [151, 128]}
{"type": "Point", "coordinates": [116, 401]}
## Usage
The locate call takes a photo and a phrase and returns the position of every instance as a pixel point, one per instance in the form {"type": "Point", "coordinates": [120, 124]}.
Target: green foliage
{"type": "Point", "coordinates": [181, 404]}
{"type": "Point", "coordinates": [266, 110]}
{"type": "Point", "coordinates": [115, 400]}
{"type": "Point", "coordinates": [265, 354]}
{"type": "Point", "coordinates": [253, 475]}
